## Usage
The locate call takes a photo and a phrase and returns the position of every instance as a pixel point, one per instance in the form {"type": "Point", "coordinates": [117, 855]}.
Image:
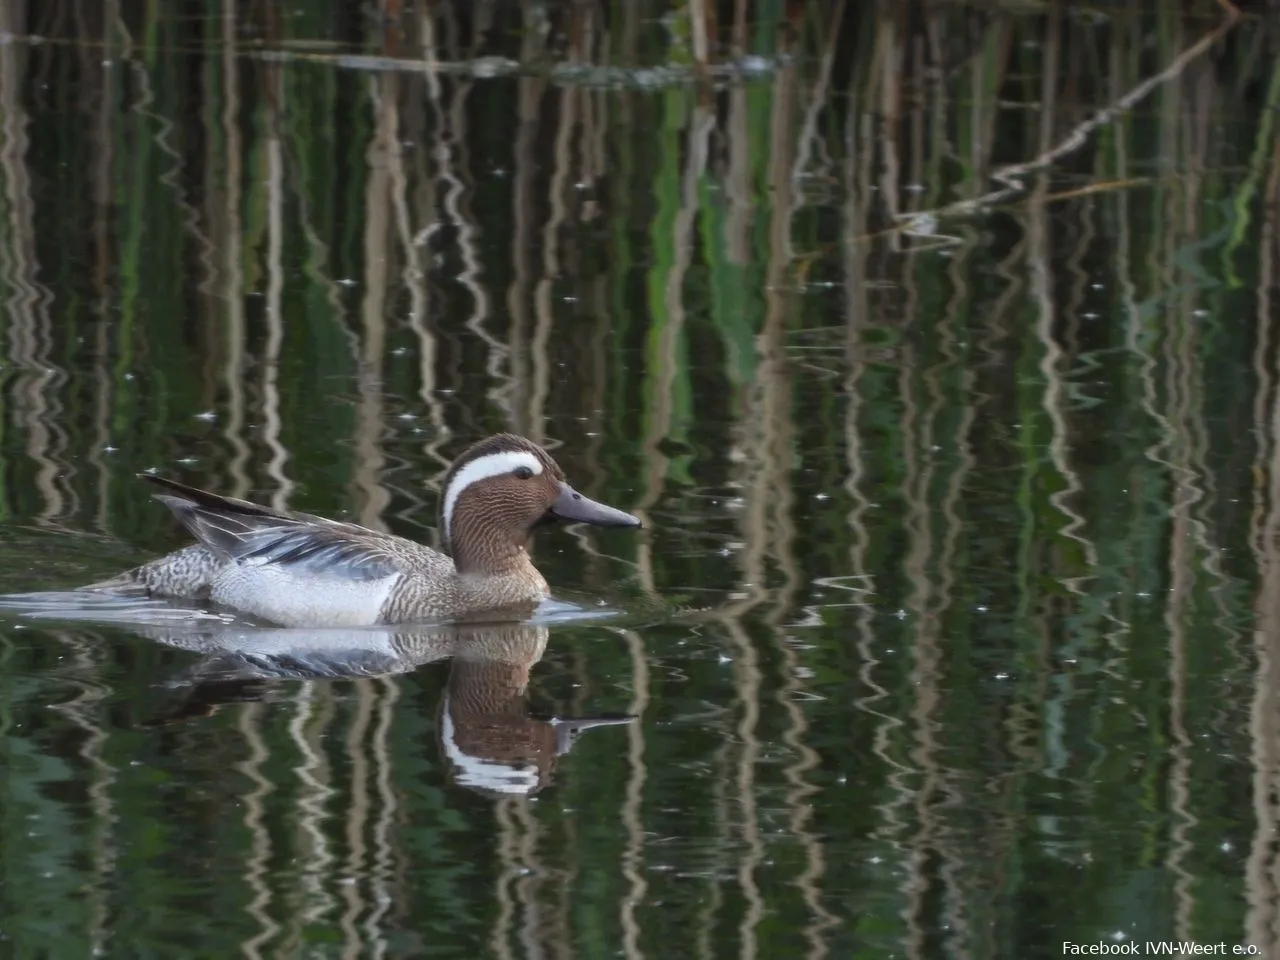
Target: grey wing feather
{"type": "Point", "coordinates": [325, 548]}
{"type": "Point", "coordinates": [322, 551]}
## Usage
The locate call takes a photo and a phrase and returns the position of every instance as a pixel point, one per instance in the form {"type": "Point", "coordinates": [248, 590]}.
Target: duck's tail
{"type": "Point", "coordinates": [184, 575]}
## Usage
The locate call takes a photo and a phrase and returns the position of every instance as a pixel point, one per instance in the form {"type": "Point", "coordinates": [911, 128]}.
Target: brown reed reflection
{"type": "Point", "coordinates": [633, 804]}
{"type": "Point", "coordinates": [358, 813]}
{"type": "Point", "coordinates": [271, 355]}
{"type": "Point", "coordinates": [506, 849]}
{"type": "Point", "coordinates": [925, 601]}
{"type": "Point", "coordinates": [384, 891]}
{"type": "Point", "coordinates": [778, 445]}
{"type": "Point", "coordinates": [452, 176]}
{"type": "Point", "coordinates": [258, 856]}
{"type": "Point", "coordinates": [861, 584]}
{"type": "Point", "coordinates": [737, 134]}
{"type": "Point", "coordinates": [35, 392]}
{"type": "Point", "coordinates": [662, 362]}
{"type": "Point", "coordinates": [1182, 400]}
{"type": "Point", "coordinates": [881, 105]}
{"type": "Point", "coordinates": [314, 713]}
{"type": "Point", "coordinates": [228, 234]}
{"type": "Point", "coordinates": [970, 933]}
{"type": "Point", "coordinates": [532, 402]}
{"type": "Point", "coordinates": [84, 712]}
{"type": "Point", "coordinates": [416, 213]}
{"type": "Point", "coordinates": [1262, 869]}
{"type": "Point", "coordinates": [372, 496]}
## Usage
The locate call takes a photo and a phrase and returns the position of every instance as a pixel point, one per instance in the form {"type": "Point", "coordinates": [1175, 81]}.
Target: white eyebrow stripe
{"type": "Point", "coordinates": [482, 468]}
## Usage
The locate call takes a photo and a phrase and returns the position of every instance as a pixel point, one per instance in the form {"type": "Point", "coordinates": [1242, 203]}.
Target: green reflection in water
{"type": "Point", "coordinates": [951, 632]}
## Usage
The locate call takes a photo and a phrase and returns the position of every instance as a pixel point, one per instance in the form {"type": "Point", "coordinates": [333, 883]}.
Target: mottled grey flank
{"type": "Point", "coordinates": [184, 574]}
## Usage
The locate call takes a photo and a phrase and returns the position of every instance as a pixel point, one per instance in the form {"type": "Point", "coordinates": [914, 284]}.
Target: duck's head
{"type": "Point", "coordinates": [499, 491]}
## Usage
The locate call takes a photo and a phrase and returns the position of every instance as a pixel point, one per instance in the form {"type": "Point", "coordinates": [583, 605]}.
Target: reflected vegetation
{"type": "Point", "coordinates": [934, 343]}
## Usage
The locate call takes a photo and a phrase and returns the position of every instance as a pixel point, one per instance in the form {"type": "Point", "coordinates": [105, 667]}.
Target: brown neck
{"type": "Point", "coordinates": [486, 552]}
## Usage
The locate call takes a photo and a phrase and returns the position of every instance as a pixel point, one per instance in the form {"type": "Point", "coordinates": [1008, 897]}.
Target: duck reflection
{"type": "Point", "coordinates": [491, 741]}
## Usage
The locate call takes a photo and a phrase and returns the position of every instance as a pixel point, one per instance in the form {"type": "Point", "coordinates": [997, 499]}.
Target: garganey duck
{"type": "Point", "coordinates": [299, 570]}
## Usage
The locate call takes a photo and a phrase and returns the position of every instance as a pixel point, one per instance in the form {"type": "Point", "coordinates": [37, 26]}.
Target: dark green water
{"type": "Point", "coordinates": [954, 630]}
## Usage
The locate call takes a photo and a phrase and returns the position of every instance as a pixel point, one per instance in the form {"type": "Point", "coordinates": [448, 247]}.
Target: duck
{"type": "Point", "coordinates": [299, 570]}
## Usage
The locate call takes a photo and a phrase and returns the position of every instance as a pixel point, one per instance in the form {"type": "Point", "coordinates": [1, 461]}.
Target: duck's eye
{"type": "Point", "coordinates": [522, 473]}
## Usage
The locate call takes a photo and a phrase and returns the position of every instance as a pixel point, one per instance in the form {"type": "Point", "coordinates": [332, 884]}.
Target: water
{"type": "Point", "coordinates": [953, 626]}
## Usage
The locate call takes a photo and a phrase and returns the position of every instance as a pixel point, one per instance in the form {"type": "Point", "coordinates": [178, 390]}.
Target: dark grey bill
{"type": "Point", "coordinates": [567, 731]}
{"type": "Point", "coordinates": [575, 508]}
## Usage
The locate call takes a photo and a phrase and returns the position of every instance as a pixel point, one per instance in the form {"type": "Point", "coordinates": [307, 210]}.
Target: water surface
{"type": "Point", "coordinates": [935, 345]}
